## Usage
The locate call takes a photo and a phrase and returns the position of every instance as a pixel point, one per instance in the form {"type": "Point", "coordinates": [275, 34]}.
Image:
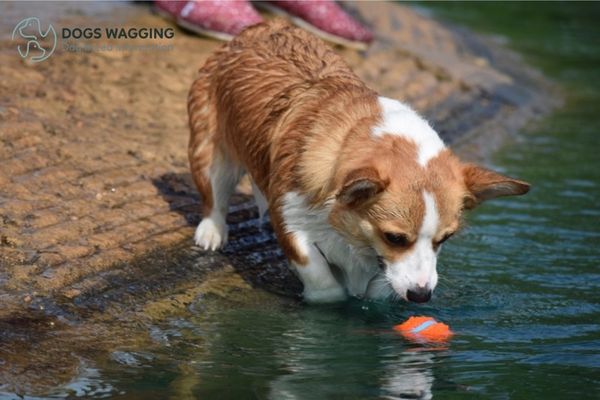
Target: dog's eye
{"type": "Point", "coordinates": [442, 240]}
{"type": "Point", "coordinates": [397, 239]}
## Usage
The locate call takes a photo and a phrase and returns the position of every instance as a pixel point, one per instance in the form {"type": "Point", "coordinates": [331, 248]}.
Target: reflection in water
{"type": "Point", "coordinates": [409, 377]}
{"type": "Point", "coordinates": [347, 364]}
{"type": "Point", "coordinates": [284, 351]}
{"type": "Point", "coordinates": [88, 383]}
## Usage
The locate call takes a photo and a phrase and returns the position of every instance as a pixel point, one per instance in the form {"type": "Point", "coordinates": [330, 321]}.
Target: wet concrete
{"type": "Point", "coordinates": [97, 208]}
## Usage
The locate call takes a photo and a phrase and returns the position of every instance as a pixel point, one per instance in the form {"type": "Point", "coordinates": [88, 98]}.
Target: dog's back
{"type": "Point", "coordinates": [246, 90]}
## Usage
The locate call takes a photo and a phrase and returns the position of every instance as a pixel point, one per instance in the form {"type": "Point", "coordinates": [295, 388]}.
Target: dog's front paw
{"type": "Point", "coordinates": [325, 295]}
{"type": "Point", "coordinates": [211, 234]}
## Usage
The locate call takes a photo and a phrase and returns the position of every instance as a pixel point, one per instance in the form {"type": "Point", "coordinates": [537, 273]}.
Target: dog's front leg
{"type": "Point", "coordinates": [320, 286]}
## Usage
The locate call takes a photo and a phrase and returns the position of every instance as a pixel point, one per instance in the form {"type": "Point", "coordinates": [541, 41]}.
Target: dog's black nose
{"type": "Point", "coordinates": [419, 295]}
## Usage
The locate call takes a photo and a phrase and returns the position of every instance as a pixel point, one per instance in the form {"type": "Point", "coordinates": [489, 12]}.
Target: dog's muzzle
{"type": "Point", "coordinates": [419, 294]}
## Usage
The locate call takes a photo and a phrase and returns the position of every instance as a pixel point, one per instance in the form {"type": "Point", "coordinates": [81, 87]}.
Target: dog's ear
{"type": "Point", "coordinates": [483, 184]}
{"type": "Point", "coordinates": [360, 186]}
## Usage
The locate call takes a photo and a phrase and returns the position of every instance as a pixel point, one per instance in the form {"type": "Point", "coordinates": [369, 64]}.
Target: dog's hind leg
{"type": "Point", "coordinates": [223, 176]}
{"type": "Point", "coordinates": [214, 173]}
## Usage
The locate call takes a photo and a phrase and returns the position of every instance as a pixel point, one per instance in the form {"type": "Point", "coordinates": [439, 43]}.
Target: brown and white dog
{"type": "Point", "coordinates": [351, 179]}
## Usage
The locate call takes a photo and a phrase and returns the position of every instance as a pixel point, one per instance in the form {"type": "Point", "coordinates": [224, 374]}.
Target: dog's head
{"type": "Point", "coordinates": [403, 194]}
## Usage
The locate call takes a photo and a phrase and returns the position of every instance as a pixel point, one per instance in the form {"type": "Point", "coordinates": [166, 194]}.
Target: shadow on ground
{"type": "Point", "coordinates": [252, 248]}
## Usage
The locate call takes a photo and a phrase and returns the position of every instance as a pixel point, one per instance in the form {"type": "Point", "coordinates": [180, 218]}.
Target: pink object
{"type": "Point", "coordinates": [219, 19]}
{"type": "Point", "coordinates": [169, 8]}
{"type": "Point", "coordinates": [324, 18]}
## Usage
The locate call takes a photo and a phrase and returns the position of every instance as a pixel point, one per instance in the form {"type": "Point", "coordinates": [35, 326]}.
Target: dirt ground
{"type": "Point", "coordinates": [96, 206]}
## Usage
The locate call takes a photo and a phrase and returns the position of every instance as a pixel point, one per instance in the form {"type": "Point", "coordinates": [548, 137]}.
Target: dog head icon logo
{"type": "Point", "coordinates": [35, 43]}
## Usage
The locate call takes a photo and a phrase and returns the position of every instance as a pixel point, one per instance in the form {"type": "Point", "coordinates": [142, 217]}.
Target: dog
{"type": "Point", "coordinates": [361, 191]}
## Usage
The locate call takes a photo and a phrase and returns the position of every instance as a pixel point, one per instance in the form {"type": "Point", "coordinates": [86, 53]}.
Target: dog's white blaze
{"type": "Point", "coordinates": [418, 268]}
{"type": "Point", "coordinates": [431, 219]}
{"type": "Point", "coordinates": [401, 120]}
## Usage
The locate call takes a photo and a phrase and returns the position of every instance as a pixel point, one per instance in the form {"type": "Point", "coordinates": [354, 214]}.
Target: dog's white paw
{"type": "Point", "coordinates": [325, 295]}
{"type": "Point", "coordinates": [211, 234]}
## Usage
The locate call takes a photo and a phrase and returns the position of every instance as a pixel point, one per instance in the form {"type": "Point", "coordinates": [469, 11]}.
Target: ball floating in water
{"type": "Point", "coordinates": [424, 329]}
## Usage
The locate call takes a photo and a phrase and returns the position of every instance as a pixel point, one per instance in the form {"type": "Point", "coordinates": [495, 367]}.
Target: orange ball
{"type": "Point", "coordinates": [424, 329]}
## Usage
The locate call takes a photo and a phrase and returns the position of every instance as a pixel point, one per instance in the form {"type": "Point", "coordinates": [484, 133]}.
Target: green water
{"type": "Point", "coordinates": [520, 286]}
